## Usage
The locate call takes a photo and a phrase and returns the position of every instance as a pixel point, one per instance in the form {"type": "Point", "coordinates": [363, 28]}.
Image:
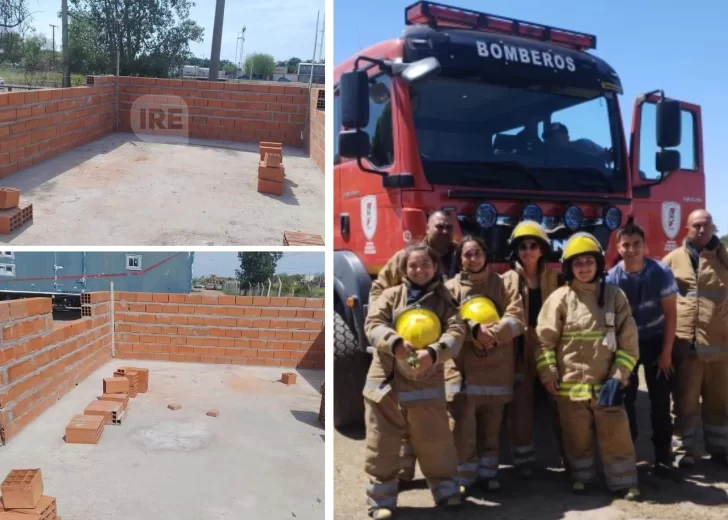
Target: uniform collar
{"type": "Point", "coordinates": [476, 277]}
{"type": "Point", "coordinates": [581, 286]}
{"type": "Point", "coordinates": [426, 289]}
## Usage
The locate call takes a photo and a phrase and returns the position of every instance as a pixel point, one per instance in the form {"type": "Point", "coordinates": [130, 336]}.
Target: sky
{"type": "Point", "coordinates": [224, 264]}
{"type": "Point", "coordinates": [282, 28]}
{"type": "Point", "coordinates": [679, 47]}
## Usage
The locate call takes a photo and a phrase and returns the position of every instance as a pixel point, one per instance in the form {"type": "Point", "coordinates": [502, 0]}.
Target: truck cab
{"type": "Point", "coordinates": [495, 121]}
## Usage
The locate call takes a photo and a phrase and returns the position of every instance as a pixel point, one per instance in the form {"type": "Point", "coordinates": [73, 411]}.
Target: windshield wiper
{"type": "Point", "coordinates": [492, 166]}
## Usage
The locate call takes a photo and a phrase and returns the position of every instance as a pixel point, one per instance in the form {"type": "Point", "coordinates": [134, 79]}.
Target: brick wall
{"type": "Point", "coordinates": [230, 111]}
{"type": "Point", "coordinates": [317, 124]}
{"type": "Point", "coordinates": [42, 360]}
{"type": "Point", "coordinates": [40, 124]}
{"type": "Point", "coordinates": [243, 330]}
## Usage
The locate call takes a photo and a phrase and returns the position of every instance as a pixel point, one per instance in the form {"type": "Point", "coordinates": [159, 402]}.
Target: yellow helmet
{"type": "Point", "coordinates": [479, 309]}
{"type": "Point", "coordinates": [529, 229]}
{"type": "Point", "coordinates": [581, 243]}
{"type": "Point", "coordinates": [418, 326]}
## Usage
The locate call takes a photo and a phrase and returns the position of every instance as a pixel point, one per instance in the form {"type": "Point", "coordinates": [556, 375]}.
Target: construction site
{"type": "Point", "coordinates": [165, 392]}
{"type": "Point", "coordinates": [144, 161]}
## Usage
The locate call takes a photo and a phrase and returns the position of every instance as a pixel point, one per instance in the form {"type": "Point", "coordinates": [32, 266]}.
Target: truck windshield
{"type": "Point", "coordinates": [561, 139]}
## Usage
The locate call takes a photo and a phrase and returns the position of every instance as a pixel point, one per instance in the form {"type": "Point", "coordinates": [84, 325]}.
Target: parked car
{"type": "Point", "coordinates": [284, 79]}
{"type": "Point", "coordinates": [218, 287]}
{"type": "Point", "coordinates": [209, 287]}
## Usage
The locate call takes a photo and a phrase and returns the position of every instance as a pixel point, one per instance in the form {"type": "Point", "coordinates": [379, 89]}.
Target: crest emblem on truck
{"type": "Point", "coordinates": [671, 219]}
{"type": "Point", "coordinates": [369, 216]}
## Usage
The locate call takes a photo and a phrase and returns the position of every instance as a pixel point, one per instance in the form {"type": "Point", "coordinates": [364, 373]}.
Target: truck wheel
{"type": "Point", "coordinates": [350, 370]}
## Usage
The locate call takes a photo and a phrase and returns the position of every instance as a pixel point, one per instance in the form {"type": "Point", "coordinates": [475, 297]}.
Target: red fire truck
{"type": "Point", "coordinates": [494, 120]}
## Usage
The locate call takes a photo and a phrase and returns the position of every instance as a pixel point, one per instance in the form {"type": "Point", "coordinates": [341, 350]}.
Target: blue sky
{"type": "Point", "coordinates": [679, 47]}
{"type": "Point", "coordinates": [282, 28]}
{"type": "Point", "coordinates": [224, 264]}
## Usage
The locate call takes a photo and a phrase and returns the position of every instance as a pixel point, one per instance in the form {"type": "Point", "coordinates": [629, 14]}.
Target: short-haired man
{"type": "Point", "coordinates": [439, 237]}
{"type": "Point", "coordinates": [701, 349]}
{"type": "Point", "coordinates": [651, 290]}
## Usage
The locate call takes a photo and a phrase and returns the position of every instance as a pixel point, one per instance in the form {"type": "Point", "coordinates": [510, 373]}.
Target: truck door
{"type": "Point", "coordinates": [661, 207]}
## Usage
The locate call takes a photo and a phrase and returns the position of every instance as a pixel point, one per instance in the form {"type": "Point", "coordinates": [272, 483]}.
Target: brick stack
{"type": "Point", "coordinates": [23, 499]}
{"type": "Point", "coordinates": [293, 238]}
{"type": "Point", "coordinates": [109, 408]}
{"type": "Point", "coordinates": [271, 171]}
{"type": "Point", "coordinates": [13, 214]}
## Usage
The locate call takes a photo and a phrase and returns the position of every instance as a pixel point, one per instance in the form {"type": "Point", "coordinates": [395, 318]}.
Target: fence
{"type": "Point", "coordinates": [274, 287]}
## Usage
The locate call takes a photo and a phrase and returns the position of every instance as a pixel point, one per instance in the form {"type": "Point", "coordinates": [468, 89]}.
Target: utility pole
{"type": "Point", "coordinates": [54, 42]}
{"type": "Point", "coordinates": [321, 44]}
{"type": "Point", "coordinates": [217, 40]}
{"type": "Point", "coordinates": [239, 46]}
{"type": "Point", "coordinates": [64, 31]}
{"type": "Point", "coordinates": [310, 78]}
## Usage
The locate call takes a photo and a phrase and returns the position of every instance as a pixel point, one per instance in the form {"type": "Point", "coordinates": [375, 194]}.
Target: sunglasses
{"type": "Point", "coordinates": [528, 247]}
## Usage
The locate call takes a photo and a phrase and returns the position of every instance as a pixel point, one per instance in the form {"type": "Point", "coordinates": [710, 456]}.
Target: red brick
{"type": "Point", "coordinates": [270, 187]}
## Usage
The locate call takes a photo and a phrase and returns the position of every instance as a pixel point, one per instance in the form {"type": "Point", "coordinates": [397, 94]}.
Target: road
{"type": "Point", "coordinates": [547, 496]}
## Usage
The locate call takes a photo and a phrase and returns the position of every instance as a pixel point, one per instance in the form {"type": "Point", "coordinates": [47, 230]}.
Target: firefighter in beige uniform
{"type": "Point", "coordinates": [479, 380]}
{"type": "Point", "coordinates": [588, 349]}
{"type": "Point", "coordinates": [535, 282]}
{"type": "Point", "coordinates": [700, 351]}
{"type": "Point", "coordinates": [414, 328]}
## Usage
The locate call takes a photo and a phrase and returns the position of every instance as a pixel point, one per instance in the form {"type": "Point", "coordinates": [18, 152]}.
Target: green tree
{"type": "Point", "coordinates": [292, 65]}
{"type": "Point", "coordinates": [13, 13]}
{"type": "Point", "coordinates": [34, 58]}
{"type": "Point", "coordinates": [11, 47]}
{"type": "Point", "coordinates": [87, 53]}
{"type": "Point", "coordinates": [259, 63]}
{"type": "Point", "coordinates": [256, 267]}
{"type": "Point", "coordinates": [152, 36]}
{"type": "Point", "coordinates": [724, 239]}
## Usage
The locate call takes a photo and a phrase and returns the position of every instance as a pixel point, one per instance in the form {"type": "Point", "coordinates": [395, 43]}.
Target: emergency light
{"type": "Point", "coordinates": [440, 15]}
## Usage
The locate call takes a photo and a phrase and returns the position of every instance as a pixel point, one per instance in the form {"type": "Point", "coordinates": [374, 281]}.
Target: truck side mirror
{"type": "Point", "coordinates": [668, 124]}
{"type": "Point", "coordinates": [354, 143]}
{"type": "Point", "coordinates": [354, 93]}
{"type": "Point", "coordinates": [667, 161]}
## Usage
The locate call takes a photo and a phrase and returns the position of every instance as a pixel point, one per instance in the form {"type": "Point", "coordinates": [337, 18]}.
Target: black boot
{"type": "Point", "coordinates": [667, 471]}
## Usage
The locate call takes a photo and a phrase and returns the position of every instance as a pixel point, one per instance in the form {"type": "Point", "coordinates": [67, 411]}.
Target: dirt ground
{"type": "Point", "coordinates": [262, 457]}
{"type": "Point", "coordinates": [702, 496]}
{"type": "Point", "coordinates": [123, 191]}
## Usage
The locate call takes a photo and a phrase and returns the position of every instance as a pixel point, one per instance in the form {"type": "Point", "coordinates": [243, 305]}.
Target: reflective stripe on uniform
{"type": "Point", "coordinates": [718, 430]}
{"type": "Point", "coordinates": [453, 388]}
{"type": "Point", "coordinates": [382, 488]}
{"type": "Point", "coordinates": [710, 349]}
{"type": "Point", "coordinates": [488, 390]}
{"type": "Point", "coordinates": [406, 449]}
{"type": "Point", "coordinates": [581, 334]}
{"type": "Point", "coordinates": [523, 449]}
{"type": "Point", "coordinates": [688, 438]}
{"type": "Point", "coordinates": [449, 341]}
{"type": "Point", "coordinates": [378, 333]}
{"type": "Point", "coordinates": [407, 461]}
{"type": "Point", "coordinates": [488, 461]}
{"type": "Point", "coordinates": [514, 326]}
{"type": "Point", "coordinates": [716, 435]}
{"type": "Point", "coordinates": [421, 395]}
{"type": "Point", "coordinates": [444, 490]}
{"type": "Point", "coordinates": [523, 460]}
{"type": "Point", "coordinates": [620, 467]}
{"type": "Point", "coordinates": [715, 295]}
{"type": "Point", "coordinates": [487, 472]}
{"type": "Point", "coordinates": [622, 481]}
{"type": "Point", "coordinates": [584, 463]}
{"type": "Point", "coordinates": [578, 390]}
{"type": "Point", "coordinates": [468, 467]}
{"type": "Point", "coordinates": [379, 502]}
{"type": "Point", "coordinates": [545, 358]}
{"type": "Point", "coordinates": [625, 359]}
{"type": "Point", "coordinates": [583, 476]}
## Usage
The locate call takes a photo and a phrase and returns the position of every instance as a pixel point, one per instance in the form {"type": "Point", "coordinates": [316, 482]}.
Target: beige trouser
{"type": "Point", "coordinates": [709, 380]}
{"type": "Point", "coordinates": [579, 419]}
{"type": "Point", "coordinates": [476, 429]}
{"type": "Point", "coordinates": [427, 427]}
{"type": "Point", "coordinates": [520, 410]}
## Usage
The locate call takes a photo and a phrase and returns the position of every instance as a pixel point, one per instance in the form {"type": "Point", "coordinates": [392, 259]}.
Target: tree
{"type": "Point", "coordinates": [256, 267]}
{"type": "Point", "coordinates": [724, 239]}
{"type": "Point", "coordinates": [87, 54]}
{"type": "Point", "coordinates": [152, 36]}
{"type": "Point", "coordinates": [11, 47]}
{"type": "Point", "coordinates": [259, 64]}
{"type": "Point", "coordinates": [33, 53]}
{"type": "Point", "coordinates": [13, 13]}
{"type": "Point", "coordinates": [292, 65]}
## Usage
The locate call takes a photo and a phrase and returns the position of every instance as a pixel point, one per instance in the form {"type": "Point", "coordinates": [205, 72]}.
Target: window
{"type": "Point", "coordinates": [9, 254]}
{"type": "Point", "coordinates": [7, 270]}
{"type": "Point", "coordinates": [648, 147]}
{"type": "Point", "coordinates": [133, 262]}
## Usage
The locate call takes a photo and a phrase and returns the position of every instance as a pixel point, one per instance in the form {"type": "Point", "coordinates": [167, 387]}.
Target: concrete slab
{"type": "Point", "coordinates": [262, 458]}
{"type": "Point", "coordinates": [120, 190]}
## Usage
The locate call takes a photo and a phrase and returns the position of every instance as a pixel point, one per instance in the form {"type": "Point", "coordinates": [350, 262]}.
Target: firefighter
{"type": "Point", "coordinates": [415, 329]}
{"type": "Point", "coordinates": [479, 380]}
{"type": "Point", "coordinates": [587, 351]}
{"type": "Point", "coordinates": [534, 282]}
{"type": "Point", "coordinates": [700, 351]}
{"type": "Point", "coordinates": [439, 237]}
{"type": "Point", "coordinates": [651, 290]}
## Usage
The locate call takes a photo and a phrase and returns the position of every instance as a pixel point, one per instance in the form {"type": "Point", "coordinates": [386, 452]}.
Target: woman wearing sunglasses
{"type": "Point", "coordinates": [479, 380]}
{"type": "Point", "coordinates": [534, 281]}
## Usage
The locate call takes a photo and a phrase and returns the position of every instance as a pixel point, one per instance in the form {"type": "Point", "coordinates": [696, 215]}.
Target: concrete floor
{"type": "Point", "coordinates": [123, 191]}
{"type": "Point", "coordinates": [262, 458]}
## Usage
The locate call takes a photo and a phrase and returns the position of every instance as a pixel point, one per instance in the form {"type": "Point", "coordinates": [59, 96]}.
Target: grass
{"type": "Point", "coordinates": [38, 79]}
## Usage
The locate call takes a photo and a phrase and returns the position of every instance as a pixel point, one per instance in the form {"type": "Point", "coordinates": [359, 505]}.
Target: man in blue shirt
{"type": "Point", "coordinates": [652, 293]}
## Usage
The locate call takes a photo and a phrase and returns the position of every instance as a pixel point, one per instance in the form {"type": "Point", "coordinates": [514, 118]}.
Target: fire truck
{"type": "Point", "coordinates": [494, 120]}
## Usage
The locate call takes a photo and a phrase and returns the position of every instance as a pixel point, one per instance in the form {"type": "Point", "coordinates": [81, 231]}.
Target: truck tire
{"type": "Point", "coordinates": [351, 364]}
